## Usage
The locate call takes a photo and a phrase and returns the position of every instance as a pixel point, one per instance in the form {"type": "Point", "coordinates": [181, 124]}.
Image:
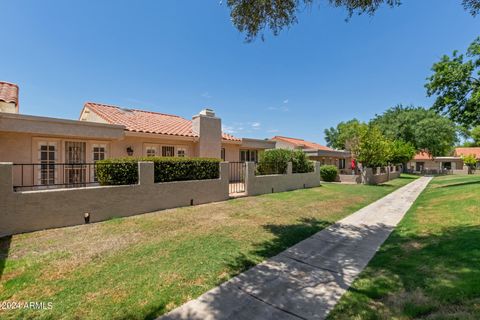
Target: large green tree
{"type": "Point", "coordinates": [401, 152]}
{"type": "Point", "coordinates": [373, 149]}
{"type": "Point", "coordinates": [254, 16]}
{"type": "Point", "coordinates": [436, 136]}
{"type": "Point", "coordinates": [345, 135]}
{"type": "Point", "coordinates": [475, 134]}
{"type": "Point", "coordinates": [424, 129]}
{"type": "Point", "coordinates": [455, 83]}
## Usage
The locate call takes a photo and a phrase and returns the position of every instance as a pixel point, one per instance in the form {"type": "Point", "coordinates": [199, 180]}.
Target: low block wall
{"type": "Point", "coordinates": [369, 178]}
{"type": "Point", "coordinates": [36, 210]}
{"type": "Point", "coordinates": [255, 185]}
{"type": "Point", "coordinates": [349, 178]}
{"type": "Point", "coordinates": [461, 171]}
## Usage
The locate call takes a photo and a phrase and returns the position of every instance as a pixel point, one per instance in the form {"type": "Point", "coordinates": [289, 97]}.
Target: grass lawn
{"type": "Point", "coordinates": [429, 268]}
{"type": "Point", "coordinates": [143, 266]}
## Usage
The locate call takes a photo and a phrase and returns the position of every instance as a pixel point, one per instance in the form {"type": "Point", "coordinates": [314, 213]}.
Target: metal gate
{"type": "Point", "coordinates": [236, 177]}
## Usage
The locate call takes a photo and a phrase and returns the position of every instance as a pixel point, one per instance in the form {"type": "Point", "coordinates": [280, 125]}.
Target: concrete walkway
{"type": "Point", "coordinates": [308, 279]}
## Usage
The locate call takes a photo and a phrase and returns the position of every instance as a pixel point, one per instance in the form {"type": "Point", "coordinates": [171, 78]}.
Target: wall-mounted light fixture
{"type": "Point", "coordinates": [130, 151]}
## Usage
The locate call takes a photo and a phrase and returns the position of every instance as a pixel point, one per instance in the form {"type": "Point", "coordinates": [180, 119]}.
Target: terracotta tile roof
{"type": "Point", "coordinates": [421, 155]}
{"type": "Point", "coordinates": [301, 143]}
{"type": "Point", "coordinates": [8, 92]}
{"type": "Point", "coordinates": [468, 151]}
{"type": "Point", "coordinates": [147, 121]}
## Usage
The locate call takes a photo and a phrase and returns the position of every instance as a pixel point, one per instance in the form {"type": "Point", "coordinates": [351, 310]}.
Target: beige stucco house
{"type": "Point", "coordinates": [325, 155]}
{"type": "Point", "coordinates": [424, 162]}
{"type": "Point", "coordinates": [106, 131]}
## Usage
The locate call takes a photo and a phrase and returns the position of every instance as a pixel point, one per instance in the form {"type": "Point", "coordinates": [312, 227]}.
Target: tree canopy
{"type": "Point", "coordinates": [252, 17]}
{"type": "Point", "coordinates": [401, 152]}
{"type": "Point", "coordinates": [423, 129]}
{"type": "Point", "coordinates": [345, 135]}
{"type": "Point", "coordinates": [475, 134]}
{"type": "Point", "coordinates": [373, 149]}
{"type": "Point", "coordinates": [456, 84]}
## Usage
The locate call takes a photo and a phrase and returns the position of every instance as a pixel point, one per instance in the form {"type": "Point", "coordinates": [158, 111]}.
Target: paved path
{"type": "Point", "coordinates": [308, 279]}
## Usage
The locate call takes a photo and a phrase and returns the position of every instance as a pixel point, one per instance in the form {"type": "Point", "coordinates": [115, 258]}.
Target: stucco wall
{"type": "Point", "coordinates": [284, 145]}
{"type": "Point", "coordinates": [209, 130]}
{"type": "Point", "coordinates": [255, 185]}
{"type": "Point", "coordinates": [369, 178]}
{"type": "Point", "coordinates": [8, 107]}
{"type": "Point", "coordinates": [349, 178]}
{"type": "Point", "coordinates": [36, 210]}
{"type": "Point", "coordinates": [58, 127]}
{"type": "Point", "coordinates": [138, 144]}
{"type": "Point", "coordinates": [232, 152]}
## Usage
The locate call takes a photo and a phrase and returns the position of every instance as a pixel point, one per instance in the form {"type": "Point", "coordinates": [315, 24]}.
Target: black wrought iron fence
{"type": "Point", "coordinates": [51, 175]}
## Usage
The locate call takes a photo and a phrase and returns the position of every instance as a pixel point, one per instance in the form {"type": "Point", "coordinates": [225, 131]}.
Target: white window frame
{"type": "Point", "coordinates": [105, 156]}
{"type": "Point", "coordinates": [180, 149]}
{"type": "Point", "coordinates": [149, 148]}
{"type": "Point", "coordinates": [250, 155]}
{"type": "Point", "coordinates": [47, 143]}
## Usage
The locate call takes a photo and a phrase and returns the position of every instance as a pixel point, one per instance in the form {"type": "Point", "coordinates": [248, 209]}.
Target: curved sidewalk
{"type": "Point", "coordinates": [308, 279]}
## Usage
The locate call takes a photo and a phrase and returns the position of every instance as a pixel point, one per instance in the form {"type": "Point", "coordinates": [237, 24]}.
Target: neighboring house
{"type": "Point", "coordinates": [106, 131]}
{"type": "Point", "coordinates": [325, 155]}
{"type": "Point", "coordinates": [425, 162]}
{"type": "Point", "coordinates": [467, 151]}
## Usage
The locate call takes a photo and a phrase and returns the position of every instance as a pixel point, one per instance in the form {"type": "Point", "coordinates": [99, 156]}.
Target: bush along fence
{"type": "Point", "coordinates": [260, 182]}
{"type": "Point", "coordinates": [132, 191]}
{"type": "Point", "coordinates": [166, 169]}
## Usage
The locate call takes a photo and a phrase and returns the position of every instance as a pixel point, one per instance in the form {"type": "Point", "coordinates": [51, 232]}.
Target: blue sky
{"type": "Point", "coordinates": [180, 56]}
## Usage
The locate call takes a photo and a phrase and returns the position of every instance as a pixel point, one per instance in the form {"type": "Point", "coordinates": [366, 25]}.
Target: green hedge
{"type": "Point", "coordinates": [328, 173]}
{"type": "Point", "coordinates": [125, 170]}
{"type": "Point", "coordinates": [276, 161]}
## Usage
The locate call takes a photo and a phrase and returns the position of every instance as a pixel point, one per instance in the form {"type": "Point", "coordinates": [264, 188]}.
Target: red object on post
{"type": "Point", "coordinates": [353, 163]}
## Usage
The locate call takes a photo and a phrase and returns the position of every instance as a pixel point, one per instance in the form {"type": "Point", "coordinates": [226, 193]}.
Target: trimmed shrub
{"type": "Point", "coordinates": [181, 169]}
{"type": "Point", "coordinates": [117, 171]}
{"type": "Point", "coordinates": [276, 161]}
{"type": "Point", "coordinates": [328, 173]}
{"type": "Point", "coordinates": [125, 170]}
{"type": "Point", "coordinates": [273, 161]}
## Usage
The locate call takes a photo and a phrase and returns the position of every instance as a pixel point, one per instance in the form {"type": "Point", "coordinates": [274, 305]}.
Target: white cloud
{"type": "Point", "coordinates": [285, 101]}
{"type": "Point", "coordinates": [240, 127]}
{"type": "Point", "coordinates": [228, 129]}
{"type": "Point", "coordinates": [206, 95]}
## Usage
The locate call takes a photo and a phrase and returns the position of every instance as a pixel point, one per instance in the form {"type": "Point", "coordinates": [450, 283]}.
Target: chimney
{"type": "Point", "coordinates": [8, 97]}
{"type": "Point", "coordinates": [209, 131]}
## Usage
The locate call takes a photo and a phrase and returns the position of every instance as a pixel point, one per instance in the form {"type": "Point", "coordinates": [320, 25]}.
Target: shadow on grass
{"type": "Point", "coordinates": [5, 243]}
{"type": "Point", "coordinates": [285, 236]}
{"type": "Point", "coordinates": [416, 276]}
{"type": "Point", "coordinates": [407, 177]}
{"type": "Point", "coordinates": [460, 184]}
